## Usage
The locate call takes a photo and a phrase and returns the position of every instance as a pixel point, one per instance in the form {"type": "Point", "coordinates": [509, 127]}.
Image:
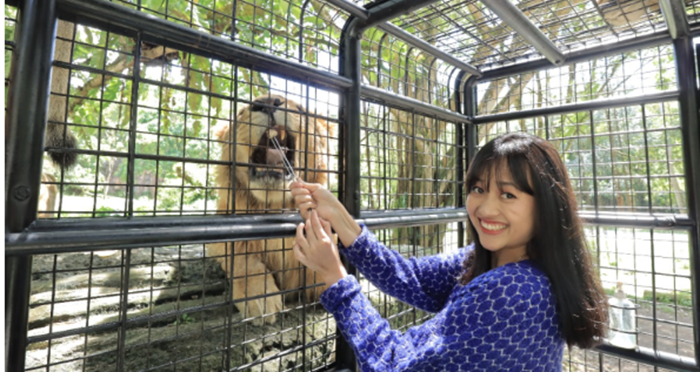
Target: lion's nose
{"type": "Point", "coordinates": [267, 105]}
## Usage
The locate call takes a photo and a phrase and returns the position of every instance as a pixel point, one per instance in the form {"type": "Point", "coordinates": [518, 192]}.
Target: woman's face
{"type": "Point", "coordinates": [503, 216]}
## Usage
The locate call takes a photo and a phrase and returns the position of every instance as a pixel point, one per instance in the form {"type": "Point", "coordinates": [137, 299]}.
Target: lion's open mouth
{"type": "Point", "coordinates": [267, 160]}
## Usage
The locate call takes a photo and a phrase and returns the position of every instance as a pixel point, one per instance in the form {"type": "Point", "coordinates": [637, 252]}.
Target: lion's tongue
{"type": "Point", "coordinates": [275, 157]}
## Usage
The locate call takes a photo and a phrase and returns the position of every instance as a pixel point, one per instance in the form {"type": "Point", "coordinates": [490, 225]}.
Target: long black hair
{"type": "Point", "coordinates": [558, 246]}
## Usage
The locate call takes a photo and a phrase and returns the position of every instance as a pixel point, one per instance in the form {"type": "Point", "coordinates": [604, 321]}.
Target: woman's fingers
{"type": "Point", "coordinates": [298, 184]}
{"type": "Point", "coordinates": [310, 233]}
{"type": "Point", "coordinates": [303, 198]}
{"type": "Point", "coordinates": [327, 227]}
{"type": "Point", "coordinates": [300, 192]}
{"type": "Point", "coordinates": [317, 227]}
{"type": "Point", "coordinates": [301, 240]}
{"type": "Point", "coordinates": [299, 254]}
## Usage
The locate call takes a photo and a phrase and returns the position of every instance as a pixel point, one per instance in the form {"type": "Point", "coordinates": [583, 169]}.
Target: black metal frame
{"type": "Point", "coordinates": [31, 76]}
{"type": "Point", "coordinates": [27, 122]}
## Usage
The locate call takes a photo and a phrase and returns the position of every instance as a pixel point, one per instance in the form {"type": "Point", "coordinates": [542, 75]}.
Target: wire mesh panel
{"type": "Point", "coordinates": [622, 160]}
{"type": "Point", "coordinates": [590, 360]}
{"type": "Point", "coordinates": [466, 29]}
{"type": "Point", "coordinates": [654, 267]}
{"type": "Point", "coordinates": [163, 308]}
{"type": "Point", "coordinates": [410, 242]}
{"type": "Point", "coordinates": [470, 31]}
{"type": "Point", "coordinates": [625, 161]}
{"type": "Point", "coordinates": [409, 161]}
{"type": "Point", "coordinates": [182, 145]}
{"type": "Point", "coordinates": [636, 73]}
{"type": "Point", "coordinates": [10, 22]}
{"type": "Point", "coordinates": [156, 131]}
{"type": "Point", "coordinates": [393, 65]}
{"type": "Point", "coordinates": [305, 31]}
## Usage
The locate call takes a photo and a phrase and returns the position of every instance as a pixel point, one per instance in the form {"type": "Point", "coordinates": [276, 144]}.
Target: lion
{"type": "Point", "coordinates": [265, 267]}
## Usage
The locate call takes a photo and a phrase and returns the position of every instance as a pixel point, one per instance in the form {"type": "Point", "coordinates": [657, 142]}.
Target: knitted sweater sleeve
{"type": "Point", "coordinates": [423, 282]}
{"type": "Point", "coordinates": [502, 321]}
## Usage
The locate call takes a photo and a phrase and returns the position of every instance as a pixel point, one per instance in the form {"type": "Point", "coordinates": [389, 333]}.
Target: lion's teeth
{"type": "Point", "coordinates": [283, 133]}
{"type": "Point", "coordinates": [272, 133]}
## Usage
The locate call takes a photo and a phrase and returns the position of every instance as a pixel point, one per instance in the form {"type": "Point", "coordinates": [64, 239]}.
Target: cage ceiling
{"type": "Point", "coordinates": [482, 35]}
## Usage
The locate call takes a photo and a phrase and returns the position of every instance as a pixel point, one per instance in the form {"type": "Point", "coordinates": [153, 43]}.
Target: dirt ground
{"type": "Point", "coordinates": [164, 330]}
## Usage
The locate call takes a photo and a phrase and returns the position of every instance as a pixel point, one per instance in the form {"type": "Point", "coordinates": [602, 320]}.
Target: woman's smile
{"type": "Point", "coordinates": [492, 227]}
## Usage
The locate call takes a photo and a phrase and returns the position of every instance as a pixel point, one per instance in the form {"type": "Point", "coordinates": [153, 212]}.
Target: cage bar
{"type": "Point", "coordinates": [575, 107]}
{"type": "Point", "coordinates": [31, 75]}
{"type": "Point", "coordinates": [675, 17]}
{"type": "Point", "coordinates": [691, 153]}
{"type": "Point", "coordinates": [514, 18]}
{"type": "Point", "coordinates": [422, 45]}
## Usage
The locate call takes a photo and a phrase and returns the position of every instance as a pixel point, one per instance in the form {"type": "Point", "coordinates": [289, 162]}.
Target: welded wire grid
{"type": "Point", "coordinates": [470, 31]}
{"type": "Point", "coordinates": [621, 160]}
{"type": "Point", "coordinates": [577, 360]}
{"type": "Point", "coordinates": [614, 171]}
{"type": "Point", "coordinates": [636, 73]}
{"type": "Point", "coordinates": [393, 65]}
{"type": "Point", "coordinates": [637, 164]}
{"type": "Point", "coordinates": [410, 242]}
{"type": "Point", "coordinates": [692, 9]}
{"type": "Point", "coordinates": [91, 93]}
{"type": "Point", "coordinates": [305, 31]}
{"type": "Point", "coordinates": [183, 102]}
{"type": "Point", "coordinates": [654, 267]}
{"type": "Point", "coordinates": [467, 30]}
{"type": "Point", "coordinates": [626, 161]}
{"type": "Point", "coordinates": [161, 308]}
{"type": "Point", "coordinates": [409, 161]}
{"type": "Point", "coordinates": [578, 24]}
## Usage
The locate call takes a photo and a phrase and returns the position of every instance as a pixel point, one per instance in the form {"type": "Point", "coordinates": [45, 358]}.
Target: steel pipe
{"type": "Point", "coordinates": [80, 235]}
{"type": "Point", "coordinates": [513, 17]}
{"type": "Point", "coordinates": [378, 15]}
{"type": "Point", "coordinates": [688, 108]}
{"type": "Point", "coordinates": [675, 17]}
{"type": "Point", "coordinates": [355, 10]}
{"type": "Point", "coordinates": [424, 46]}
{"type": "Point", "coordinates": [27, 114]}
{"type": "Point", "coordinates": [412, 104]}
{"type": "Point", "coordinates": [578, 107]}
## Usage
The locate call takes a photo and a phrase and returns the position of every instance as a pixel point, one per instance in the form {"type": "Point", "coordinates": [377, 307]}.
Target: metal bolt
{"type": "Point", "coordinates": [21, 193]}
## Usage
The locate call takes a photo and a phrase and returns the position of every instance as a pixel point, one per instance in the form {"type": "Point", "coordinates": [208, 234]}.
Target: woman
{"type": "Point", "coordinates": [508, 302]}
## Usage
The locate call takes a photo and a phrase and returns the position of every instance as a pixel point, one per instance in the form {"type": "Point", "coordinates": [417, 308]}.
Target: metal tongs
{"type": "Point", "coordinates": [287, 164]}
{"type": "Point", "coordinates": [285, 161]}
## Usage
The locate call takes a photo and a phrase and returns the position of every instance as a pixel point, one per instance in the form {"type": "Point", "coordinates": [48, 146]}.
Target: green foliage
{"type": "Point", "coordinates": [635, 171]}
{"type": "Point", "coordinates": [184, 319]}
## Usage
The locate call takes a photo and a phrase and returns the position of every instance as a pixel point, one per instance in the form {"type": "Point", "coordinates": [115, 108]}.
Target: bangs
{"type": "Point", "coordinates": [509, 159]}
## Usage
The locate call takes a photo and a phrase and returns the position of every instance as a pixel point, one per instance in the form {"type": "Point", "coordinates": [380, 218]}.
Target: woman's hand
{"type": "Point", "coordinates": [313, 196]}
{"type": "Point", "coordinates": [317, 251]}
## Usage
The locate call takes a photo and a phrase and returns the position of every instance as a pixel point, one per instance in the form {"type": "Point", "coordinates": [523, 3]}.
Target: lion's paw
{"type": "Point", "coordinates": [265, 310]}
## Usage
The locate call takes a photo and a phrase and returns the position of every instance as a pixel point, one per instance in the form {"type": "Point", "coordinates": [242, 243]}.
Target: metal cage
{"type": "Point", "coordinates": [109, 263]}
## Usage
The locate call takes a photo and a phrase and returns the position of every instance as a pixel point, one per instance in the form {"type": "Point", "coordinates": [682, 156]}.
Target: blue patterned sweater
{"type": "Point", "coordinates": [503, 320]}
